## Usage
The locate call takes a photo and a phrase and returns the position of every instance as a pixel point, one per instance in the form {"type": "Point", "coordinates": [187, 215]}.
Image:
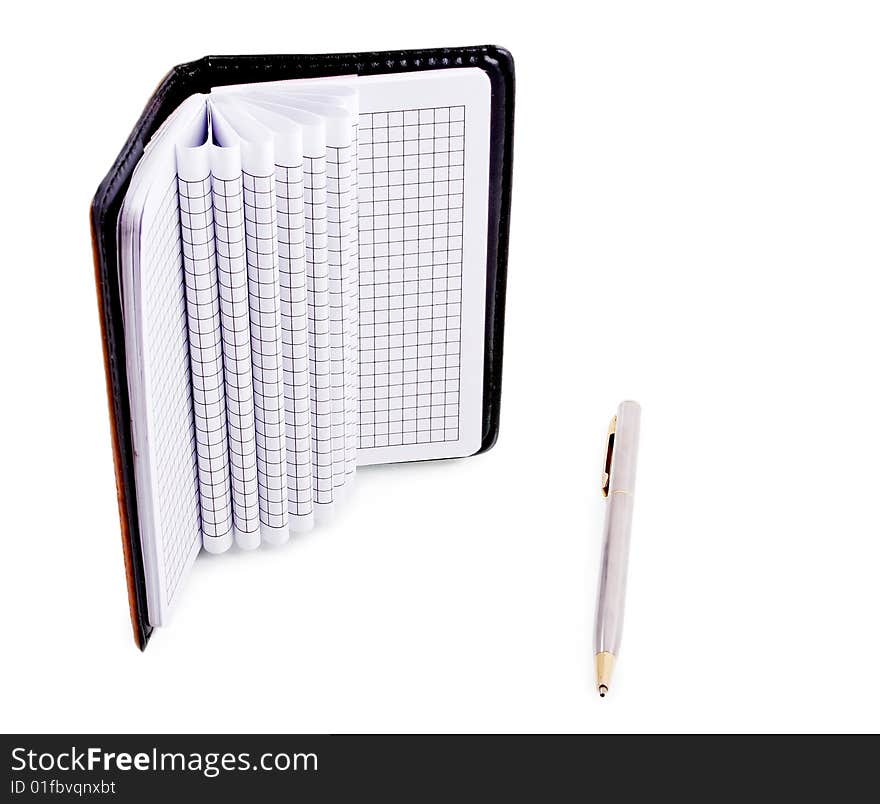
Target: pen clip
{"type": "Point", "coordinates": [609, 455]}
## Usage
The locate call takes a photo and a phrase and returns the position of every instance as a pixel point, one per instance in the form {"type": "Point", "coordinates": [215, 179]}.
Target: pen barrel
{"type": "Point", "coordinates": [618, 526]}
{"type": "Point", "coordinates": [612, 576]}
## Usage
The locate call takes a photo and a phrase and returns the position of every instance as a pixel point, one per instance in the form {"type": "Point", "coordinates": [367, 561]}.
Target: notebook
{"type": "Point", "coordinates": [301, 267]}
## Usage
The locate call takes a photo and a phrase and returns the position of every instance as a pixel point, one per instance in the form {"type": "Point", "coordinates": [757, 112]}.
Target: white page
{"type": "Point", "coordinates": [338, 126]}
{"type": "Point", "coordinates": [314, 95]}
{"type": "Point", "coordinates": [205, 344]}
{"type": "Point", "coordinates": [231, 126]}
{"type": "Point", "coordinates": [424, 182]}
{"type": "Point", "coordinates": [317, 275]}
{"type": "Point", "coordinates": [228, 202]}
{"type": "Point", "coordinates": [290, 200]}
{"type": "Point", "coordinates": [157, 363]}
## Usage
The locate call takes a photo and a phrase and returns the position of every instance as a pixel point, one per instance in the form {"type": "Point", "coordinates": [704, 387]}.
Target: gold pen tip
{"type": "Point", "coordinates": [604, 667]}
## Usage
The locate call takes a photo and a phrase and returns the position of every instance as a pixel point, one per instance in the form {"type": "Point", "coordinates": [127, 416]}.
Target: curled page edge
{"type": "Point", "coordinates": [206, 351]}
{"type": "Point", "coordinates": [228, 201]}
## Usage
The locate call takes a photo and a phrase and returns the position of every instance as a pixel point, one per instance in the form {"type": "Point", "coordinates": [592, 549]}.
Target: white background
{"type": "Point", "coordinates": [695, 225]}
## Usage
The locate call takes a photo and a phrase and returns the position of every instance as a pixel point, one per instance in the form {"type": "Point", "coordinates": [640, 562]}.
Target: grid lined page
{"type": "Point", "coordinates": [411, 184]}
{"type": "Point", "coordinates": [266, 350]}
{"type": "Point", "coordinates": [310, 102]}
{"type": "Point", "coordinates": [228, 200]}
{"type": "Point", "coordinates": [172, 435]}
{"type": "Point", "coordinates": [206, 360]}
{"type": "Point", "coordinates": [290, 194]}
{"type": "Point", "coordinates": [352, 314]}
{"type": "Point", "coordinates": [339, 223]}
{"type": "Point", "coordinates": [315, 185]}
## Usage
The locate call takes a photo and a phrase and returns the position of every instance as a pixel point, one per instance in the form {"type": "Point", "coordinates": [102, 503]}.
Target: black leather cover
{"type": "Point", "coordinates": [200, 76]}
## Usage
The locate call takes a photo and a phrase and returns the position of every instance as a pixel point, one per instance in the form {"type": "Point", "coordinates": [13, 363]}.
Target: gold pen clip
{"type": "Point", "coordinates": [609, 452]}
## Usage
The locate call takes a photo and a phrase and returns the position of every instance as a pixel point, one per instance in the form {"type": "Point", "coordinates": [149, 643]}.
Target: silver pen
{"type": "Point", "coordinates": [618, 485]}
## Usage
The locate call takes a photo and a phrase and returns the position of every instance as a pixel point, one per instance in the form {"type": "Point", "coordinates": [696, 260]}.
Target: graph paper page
{"type": "Point", "coordinates": [290, 200]}
{"type": "Point", "coordinates": [232, 279]}
{"type": "Point", "coordinates": [205, 344]}
{"type": "Point", "coordinates": [423, 179]}
{"type": "Point", "coordinates": [232, 126]}
{"type": "Point", "coordinates": [347, 98]}
{"type": "Point", "coordinates": [317, 262]}
{"type": "Point", "coordinates": [158, 366]}
{"type": "Point", "coordinates": [340, 220]}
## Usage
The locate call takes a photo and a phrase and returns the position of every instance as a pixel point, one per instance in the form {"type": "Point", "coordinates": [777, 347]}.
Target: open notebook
{"type": "Point", "coordinates": [305, 276]}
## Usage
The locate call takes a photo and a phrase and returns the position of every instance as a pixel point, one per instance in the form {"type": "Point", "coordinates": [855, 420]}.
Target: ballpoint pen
{"type": "Point", "coordinates": [618, 486]}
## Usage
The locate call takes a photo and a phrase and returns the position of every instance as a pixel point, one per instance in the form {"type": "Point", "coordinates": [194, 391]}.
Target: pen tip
{"type": "Point", "coordinates": [604, 666]}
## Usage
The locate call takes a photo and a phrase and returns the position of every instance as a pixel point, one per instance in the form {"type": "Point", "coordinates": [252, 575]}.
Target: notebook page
{"type": "Point", "coordinates": [316, 95]}
{"type": "Point", "coordinates": [157, 360]}
{"type": "Point", "coordinates": [228, 202]}
{"type": "Point", "coordinates": [323, 92]}
{"type": "Point", "coordinates": [318, 284]}
{"type": "Point", "coordinates": [347, 97]}
{"type": "Point", "coordinates": [264, 295]}
{"type": "Point", "coordinates": [205, 344]}
{"type": "Point", "coordinates": [423, 173]}
{"type": "Point", "coordinates": [338, 125]}
{"type": "Point", "coordinates": [352, 418]}
{"type": "Point", "coordinates": [290, 200]}
{"type": "Point", "coordinates": [169, 447]}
